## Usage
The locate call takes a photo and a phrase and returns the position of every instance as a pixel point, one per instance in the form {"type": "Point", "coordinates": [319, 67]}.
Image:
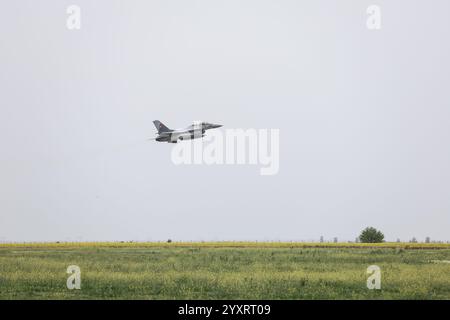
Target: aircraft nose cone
{"type": "Point", "coordinates": [216, 126]}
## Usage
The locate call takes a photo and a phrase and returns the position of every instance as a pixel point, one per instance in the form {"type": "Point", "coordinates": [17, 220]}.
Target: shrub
{"type": "Point", "coordinates": [371, 235]}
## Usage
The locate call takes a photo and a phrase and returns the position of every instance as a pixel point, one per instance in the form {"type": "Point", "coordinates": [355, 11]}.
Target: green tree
{"type": "Point", "coordinates": [371, 235]}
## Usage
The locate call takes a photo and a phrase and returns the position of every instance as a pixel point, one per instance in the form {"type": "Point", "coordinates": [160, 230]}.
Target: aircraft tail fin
{"type": "Point", "coordinates": [160, 126]}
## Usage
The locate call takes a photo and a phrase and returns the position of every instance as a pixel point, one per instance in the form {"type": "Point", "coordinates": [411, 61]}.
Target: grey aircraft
{"type": "Point", "coordinates": [194, 131]}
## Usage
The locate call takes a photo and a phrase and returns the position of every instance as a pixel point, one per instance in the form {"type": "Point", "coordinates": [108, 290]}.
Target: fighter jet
{"type": "Point", "coordinates": [194, 131]}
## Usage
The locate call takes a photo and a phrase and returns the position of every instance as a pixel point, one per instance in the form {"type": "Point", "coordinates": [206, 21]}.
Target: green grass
{"type": "Point", "coordinates": [223, 271]}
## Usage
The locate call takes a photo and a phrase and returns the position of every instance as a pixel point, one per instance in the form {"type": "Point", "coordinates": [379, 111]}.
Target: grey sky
{"type": "Point", "coordinates": [364, 119]}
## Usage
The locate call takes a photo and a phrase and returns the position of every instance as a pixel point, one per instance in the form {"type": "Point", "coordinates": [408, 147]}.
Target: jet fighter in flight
{"type": "Point", "coordinates": [194, 131]}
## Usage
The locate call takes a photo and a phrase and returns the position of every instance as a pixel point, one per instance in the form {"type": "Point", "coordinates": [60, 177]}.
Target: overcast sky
{"type": "Point", "coordinates": [364, 119]}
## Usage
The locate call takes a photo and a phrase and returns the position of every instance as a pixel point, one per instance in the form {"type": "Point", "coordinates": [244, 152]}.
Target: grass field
{"type": "Point", "coordinates": [224, 270]}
